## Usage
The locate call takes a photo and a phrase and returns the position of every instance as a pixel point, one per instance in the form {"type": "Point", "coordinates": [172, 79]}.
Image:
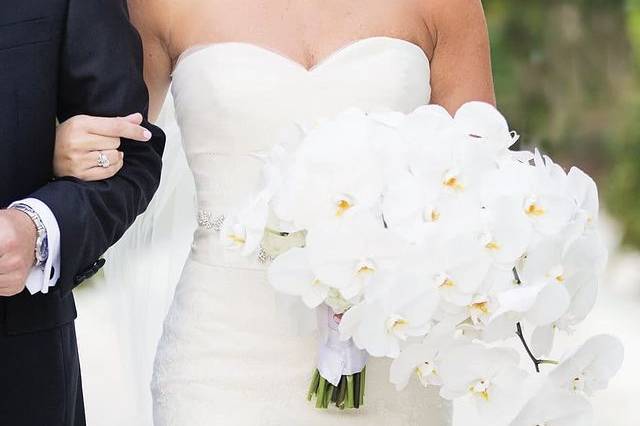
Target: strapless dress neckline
{"type": "Point", "coordinates": [203, 47]}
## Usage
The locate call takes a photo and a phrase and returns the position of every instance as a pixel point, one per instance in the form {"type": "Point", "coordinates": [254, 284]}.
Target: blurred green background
{"type": "Point", "coordinates": [567, 75]}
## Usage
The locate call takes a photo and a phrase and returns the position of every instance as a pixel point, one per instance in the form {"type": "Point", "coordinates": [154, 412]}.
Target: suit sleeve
{"type": "Point", "coordinates": [101, 74]}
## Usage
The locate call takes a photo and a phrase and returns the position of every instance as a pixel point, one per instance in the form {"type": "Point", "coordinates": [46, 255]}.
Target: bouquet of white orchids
{"type": "Point", "coordinates": [423, 238]}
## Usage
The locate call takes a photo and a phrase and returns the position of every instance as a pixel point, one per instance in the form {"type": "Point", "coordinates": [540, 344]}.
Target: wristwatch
{"type": "Point", "coordinates": [42, 246]}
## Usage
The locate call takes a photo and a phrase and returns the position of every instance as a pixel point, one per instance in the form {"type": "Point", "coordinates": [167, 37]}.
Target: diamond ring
{"type": "Point", "coordinates": [103, 161]}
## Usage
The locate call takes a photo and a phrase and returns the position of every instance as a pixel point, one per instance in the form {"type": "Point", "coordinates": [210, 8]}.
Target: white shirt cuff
{"type": "Point", "coordinates": [42, 277]}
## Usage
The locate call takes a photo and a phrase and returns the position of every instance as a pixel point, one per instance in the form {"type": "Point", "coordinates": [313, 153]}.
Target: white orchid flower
{"type": "Point", "coordinates": [482, 121]}
{"type": "Point", "coordinates": [506, 233]}
{"type": "Point", "coordinates": [244, 230]}
{"type": "Point", "coordinates": [427, 126]}
{"type": "Point", "coordinates": [539, 192]}
{"type": "Point", "coordinates": [564, 261]}
{"type": "Point", "coordinates": [355, 255]}
{"type": "Point", "coordinates": [419, 213]}
{"type": "Point", "coordinates": [500, 327]}
{"type": "Point", "coordinates": [480, 314]}
{"type": "Point", "coordinates": [291, 274]}
{"type": "Point", "coordinates": [488, 376]}
{"type": "Point", "coordinates": [590, 367]}
{"type": "Point", "coordinates": [456, 167]}
{"type": "Point", "coordinates": [551, 406]}
{"type": "Point", "coordinates": [481, 308]}
{"type": "Point", "coordinates": [553, 272]}
{"type": "Point", "coordinates": [584, 192]}
{"type": "Point", "coordinates": [339, 168]}
{"type": "Point", "coordinates": [418, 359]}
{"type": "Point", "coordinates": [421, 359]}
{"type": "Point", "coordinates": [381, 326]}
{"type": "Point", "coordinates": [538, 304]}
{"type": "Point", "coordinates": [582, 302]}
{"type": "Point", "coordinates": [546, 203]}
{"type": "Point", "coordinates": [457, 268]}
{"type": "Point", "coordinates": [558, 285]}
{"type": "Point", "coordinates": [441, 156]}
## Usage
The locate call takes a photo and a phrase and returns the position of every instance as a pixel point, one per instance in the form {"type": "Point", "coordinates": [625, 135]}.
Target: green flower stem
{"type": "Point", "coordinates": [320, 395]}
{"type": "Point", "coordinates": [362, 384]}
{"type": "Point", "coordinates": [356, 390]}
{"type": "Point", "coordinates": [350, 395]}
{"type": "Point", "coordinates": [334, 394]}
{"type": "Point", "coordinates": [313, 387]}
{"type": "Point", "coordinates": [327, 395]}
{"type": "Point", "coordinates": [342, 392]}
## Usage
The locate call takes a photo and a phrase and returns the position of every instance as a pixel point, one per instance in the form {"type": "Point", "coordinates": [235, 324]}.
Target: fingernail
{"type": "Point", "coordinates": [147, 134]}
{"type": "Point", "coordinates": [136, 117]}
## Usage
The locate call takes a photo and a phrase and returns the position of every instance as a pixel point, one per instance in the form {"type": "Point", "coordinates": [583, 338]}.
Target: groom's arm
{"type": "Point", "coordinates": [101, 75]}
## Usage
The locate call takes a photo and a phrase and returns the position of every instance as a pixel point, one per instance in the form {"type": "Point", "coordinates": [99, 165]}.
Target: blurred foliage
{"type": "Point", "coordinates": [567, 76]}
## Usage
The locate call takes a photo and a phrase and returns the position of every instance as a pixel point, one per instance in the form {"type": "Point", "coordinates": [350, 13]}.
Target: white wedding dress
{"type": "Point", "coordinates": [229, 354]}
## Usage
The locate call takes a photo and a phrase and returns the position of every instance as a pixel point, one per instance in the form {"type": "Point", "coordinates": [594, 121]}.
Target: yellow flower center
{"type": "Point", "coordinates": [431, 215]}
{"type": "Point", "coordinates": [237, 239]}
{"type": "Point", "coordinates": [447, 283]}
{"type": "Point", "coordinates": [423, 372]}
{"type": "Point", "coordinates": [492, 245]}
{"type": "Point", "coordinates": [397, 325]}
{"type": "Point", "coordinates": [365, 268]}
{"type": "Point", "coordinates": [481, 306]}
{"type": "Point", "coordinates": [452, 181]}
{"type": "Point", "coordinates": [343, 204]}
{"type": "Point", "coordinates": [557, 274]}
{"type": "Point", "coordinates": [533, 208]}
{"type": "Point", "coordinates": [480, 389]}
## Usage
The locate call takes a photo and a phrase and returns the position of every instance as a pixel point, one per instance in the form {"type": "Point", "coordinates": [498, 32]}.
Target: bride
{"type": "Point", "coordinates": [240, 71]}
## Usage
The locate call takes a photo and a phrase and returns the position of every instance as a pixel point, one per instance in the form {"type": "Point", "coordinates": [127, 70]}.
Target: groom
{"type": "Point", "coordinates": [60, 58]}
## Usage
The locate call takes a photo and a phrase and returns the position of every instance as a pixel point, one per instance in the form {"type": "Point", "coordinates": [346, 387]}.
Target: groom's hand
{"type": "Point", "coordinates": [17, 250]}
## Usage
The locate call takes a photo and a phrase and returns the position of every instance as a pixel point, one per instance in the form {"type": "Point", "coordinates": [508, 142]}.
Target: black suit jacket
{"type": "Point", "coordinates": [60, 58]}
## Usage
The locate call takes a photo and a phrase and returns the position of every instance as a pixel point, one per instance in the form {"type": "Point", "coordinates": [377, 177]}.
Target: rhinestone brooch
{"type": "Point", "coordinates": [208, 221]}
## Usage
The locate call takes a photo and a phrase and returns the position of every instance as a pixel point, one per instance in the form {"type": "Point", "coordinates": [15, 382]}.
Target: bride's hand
{"type": "Point", "coordinates": [81, 139]}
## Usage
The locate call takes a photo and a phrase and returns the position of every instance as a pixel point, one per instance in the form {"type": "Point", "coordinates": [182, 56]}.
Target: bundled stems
{"type": "Point", "coordinates": [349, 393]}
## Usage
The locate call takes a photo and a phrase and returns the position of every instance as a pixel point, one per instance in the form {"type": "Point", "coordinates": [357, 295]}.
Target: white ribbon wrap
{"type": "Point", "coordinates": [336, 358]}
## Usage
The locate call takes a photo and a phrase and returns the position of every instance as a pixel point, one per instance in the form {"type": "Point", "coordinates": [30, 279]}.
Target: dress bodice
{"type": "Point", "coordinates": [233, 99]}
{"type": "Point", "coordinates": [228, 354]}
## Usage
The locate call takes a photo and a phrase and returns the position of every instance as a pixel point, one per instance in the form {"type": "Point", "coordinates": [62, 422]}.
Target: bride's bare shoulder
{"type": "Point", "coordinates": [452, 15]}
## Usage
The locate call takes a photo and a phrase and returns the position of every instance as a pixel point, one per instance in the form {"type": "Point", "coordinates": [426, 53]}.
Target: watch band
{"type": "Point", "coordinates": [41, 248]}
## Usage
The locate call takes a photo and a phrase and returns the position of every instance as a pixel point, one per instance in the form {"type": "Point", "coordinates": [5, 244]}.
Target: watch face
{"type": "Point", "coordinates": [42, 249]}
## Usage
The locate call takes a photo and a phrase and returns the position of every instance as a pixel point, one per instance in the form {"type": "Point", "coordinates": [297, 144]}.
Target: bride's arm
{"type": "Point", "coordinates": [152, 19]}
{"type": "Point", "coordinates": [461, 62]}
